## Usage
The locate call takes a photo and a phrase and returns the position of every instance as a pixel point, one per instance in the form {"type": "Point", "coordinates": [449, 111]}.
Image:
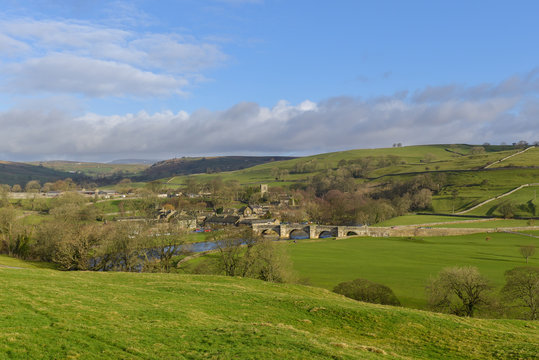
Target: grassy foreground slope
{"type": "Point", "coordinates": [49, 314]}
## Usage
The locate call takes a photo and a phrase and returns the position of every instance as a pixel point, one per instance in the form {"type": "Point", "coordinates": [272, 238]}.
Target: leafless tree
{"type": "Point", "coordinates": [458, 290]}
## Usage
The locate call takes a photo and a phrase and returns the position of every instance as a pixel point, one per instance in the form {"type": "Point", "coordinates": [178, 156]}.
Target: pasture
{"type": "Point", "coordinates": [405, 264]}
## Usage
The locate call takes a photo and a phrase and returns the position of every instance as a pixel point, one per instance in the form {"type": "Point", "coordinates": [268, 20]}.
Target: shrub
{"type": "Point", "coordinates": [368, 291]}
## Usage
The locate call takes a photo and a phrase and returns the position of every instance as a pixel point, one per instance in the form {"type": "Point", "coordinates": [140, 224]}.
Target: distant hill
{"type": "Point", "coordinates": [133, 161]}
{"type": "Point", "coordinates": [92, 169]}
{"type": "Point", "coordinates": [12, 173]}
{"type": "Point", "coordinates": [187, 166]}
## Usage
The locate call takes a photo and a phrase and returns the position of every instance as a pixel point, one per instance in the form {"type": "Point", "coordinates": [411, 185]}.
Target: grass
{"type": "Point", "coordinates": [49, 314]}
{"type": "Point", "coordinates": [490, 224]}
{"type": "Point", "coordinates": [421, 219]}
{"type": "Point", "coordinates": [439, 221]}
{"type": "Point", "coordinates": [405, 264]}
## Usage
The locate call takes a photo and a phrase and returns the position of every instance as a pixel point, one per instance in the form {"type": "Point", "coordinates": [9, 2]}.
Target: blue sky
{"type": "Point", "coordinates": [99, 80]}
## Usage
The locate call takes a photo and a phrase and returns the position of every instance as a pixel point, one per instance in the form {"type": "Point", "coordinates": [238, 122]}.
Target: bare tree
{"type": "Point", "coordinates": [168, 241]}
{"type": "Point", "coordinates": [458, 290]}
{"type": "Point", "coordinates": [74, 248]}
{"type": "Point", "coordinates": [234, 247]}
{"type": "Point", "coordinates": [527, 251]}
{"type": "Point", "coordinates": [521, 290]}
{"type": "Point", "coordinates": [14, 236]}
{"type": "Point", "coordinates": [242, 253]}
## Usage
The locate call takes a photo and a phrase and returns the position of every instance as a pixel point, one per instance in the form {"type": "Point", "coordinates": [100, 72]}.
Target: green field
{"type": "Point", "coordinates": [405, 264]}
{"type": "Point", "coordinates": [421, 219]}
{"type": "Point", "coordinates": [439, 221]}
{"type": "Point", "coordinates": [47, 314]}
{"type": "Point", "coordinates": [491, 224]}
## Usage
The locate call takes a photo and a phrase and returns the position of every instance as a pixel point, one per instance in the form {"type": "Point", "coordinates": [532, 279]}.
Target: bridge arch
{"type": "Point", "coordinates": [299, 234]}
{"type": "Point", "coordinates": [352, 233]}
{"type": "Point", "coordinates": [326, 234]}
{"type": "Point", "coordinates": [270, 232]}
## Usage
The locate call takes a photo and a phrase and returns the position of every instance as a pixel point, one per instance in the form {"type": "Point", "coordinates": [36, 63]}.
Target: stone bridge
{"type": "Point", "coordinates": [284, 231]}
{"type": "Point", "coordinates": [315, 231]}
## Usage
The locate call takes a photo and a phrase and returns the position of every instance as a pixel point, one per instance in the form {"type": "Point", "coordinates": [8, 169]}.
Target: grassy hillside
{"type": "Point", "coordinates": [49, 314]}
{"type": "Point", "coordinates": [19, 173]}
{"type": "Point", "coordinates": [409, 159]}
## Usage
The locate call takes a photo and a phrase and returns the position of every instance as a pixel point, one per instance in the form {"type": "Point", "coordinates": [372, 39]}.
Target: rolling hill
{"type": "Point", "coordinates": [186, 166]}
{"type": "Point", "coordinates": [12, 173]}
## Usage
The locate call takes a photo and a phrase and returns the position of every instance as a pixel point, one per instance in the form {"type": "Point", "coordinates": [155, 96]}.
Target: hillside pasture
{"type": "Point", "coordinates": [473, 187]}
{"type": "Point", "coordinates": [530, 158]}
{"type": "Point", "coordinates": [525, 202]}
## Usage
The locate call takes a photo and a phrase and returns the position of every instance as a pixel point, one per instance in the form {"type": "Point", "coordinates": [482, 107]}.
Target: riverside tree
{"type": "Point", "coordinates": [14, 236]}
{"type": "Point", "coordinates": [242, 253]}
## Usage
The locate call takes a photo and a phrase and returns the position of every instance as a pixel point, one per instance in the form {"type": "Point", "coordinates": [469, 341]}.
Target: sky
{"type": "Point", "coordinates": [97, 80]}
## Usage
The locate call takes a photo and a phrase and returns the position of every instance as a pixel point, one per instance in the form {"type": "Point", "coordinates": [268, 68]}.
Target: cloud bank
{"type": "Point", "coordinates": [505, 112]}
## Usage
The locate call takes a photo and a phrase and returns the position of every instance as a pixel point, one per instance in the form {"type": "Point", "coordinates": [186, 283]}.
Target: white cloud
{"type": "Point", "coordinates": [11, 47]}
{"type": "Point", "coordinates": [516, 85]}
{"type": "Point", "coordinates": [94, 78]}
{"type": "Point", "coordinates": [90, 52]}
